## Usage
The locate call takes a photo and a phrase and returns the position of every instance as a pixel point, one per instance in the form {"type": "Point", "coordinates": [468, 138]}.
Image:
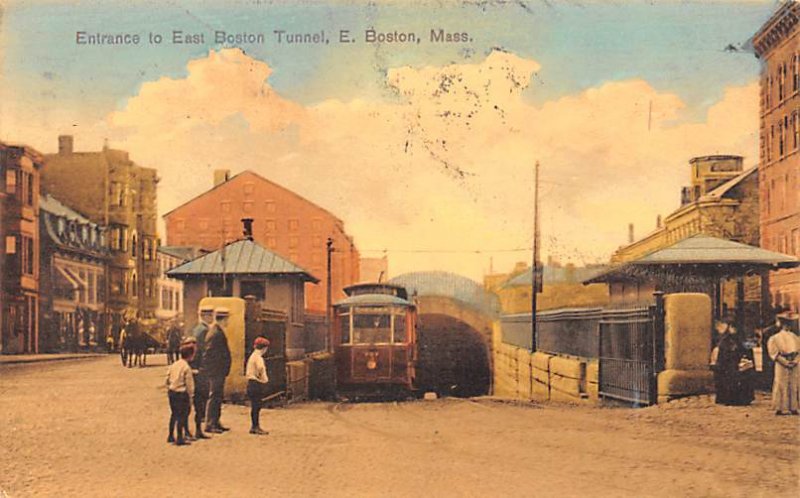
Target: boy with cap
{"type": "Point", "coordinates": [180, 389]}
{"type": "Point", "coordinates": [256, 373]}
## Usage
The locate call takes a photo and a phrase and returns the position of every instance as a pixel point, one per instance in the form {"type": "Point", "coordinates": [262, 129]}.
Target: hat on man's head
{"type": "Point", "coordinates": [789, 320]}
{"type": "Point", "coordinates": [221, 312]}
{"type": "Point", "coordinates": [206, 308]}
{"type": "Point", "coordinates": [260, 342]}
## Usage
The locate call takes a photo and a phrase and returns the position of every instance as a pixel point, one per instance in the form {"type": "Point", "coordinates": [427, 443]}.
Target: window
{"type": "Point", "coordinates": [294, 225]}
{"type": "Point", "coordinates": [134, 285]}
{"type": "Point", "coordinates": [28, 187]}
{"type": "Point", "coordinates": [249, 188]}
{"type": "Point", "coordinates": [294, 242]}
{"type": "Point", "coordinates": [253, 288]}
{"type": "Point", "coordinates": [345, 322]}
{"type": "Point", "coordinates": [272, 242]}
{"type": "Point", "coordinates": [372, 326]}
{"type": "Point", "coordinates": [11, 244]}
{"type": "Point", "coordinates": [11, 181]}
{"type": "Point", "coordinates": [269, 206]}
{"type": "Point", "coordinates": [796, 131]}
{"type": "Point", "coordinates": [270, 226]}
{"type": "Point", "coordinates": [399, 326]}
{"type": "Point", "coordinates": [316, 225]}
{"type": "Point", "coordinates": [27, 255]}
{"type": "Point", "coordinates": [226, 206]}
{"type": "Point", "coordinates": [247, 206]}
{"type": "Point", "coordinates": [133, 245]}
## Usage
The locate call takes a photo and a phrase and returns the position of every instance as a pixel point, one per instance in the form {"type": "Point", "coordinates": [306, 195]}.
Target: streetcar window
{"type": "Point", "coordinates": [372, 328]}
{"type": "Point", "coordinates": [344, 319]}
{"type": "Point", "coordinates": [399, 328]}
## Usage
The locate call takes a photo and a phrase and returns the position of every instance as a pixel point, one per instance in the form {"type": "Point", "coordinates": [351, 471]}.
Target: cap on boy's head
{"type": "Point", "coordinates": [260, 342]}
{"type": "Point", "coordinates": [187, 350]}
{"type": "Point", "coordinates": [221, 312]}
{"type": "Point", "coordinates": [189, 340]}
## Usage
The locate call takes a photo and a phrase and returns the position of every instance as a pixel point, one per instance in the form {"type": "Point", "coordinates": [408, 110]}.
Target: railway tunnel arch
{"type": "Point", "coordinates": [454, 332]}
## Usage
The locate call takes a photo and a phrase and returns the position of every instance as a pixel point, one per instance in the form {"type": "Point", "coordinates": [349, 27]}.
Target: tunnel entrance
{"type": "Point", "coordinates": [453, 359]}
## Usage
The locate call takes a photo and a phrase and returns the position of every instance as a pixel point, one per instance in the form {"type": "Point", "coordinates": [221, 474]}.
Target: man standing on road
{"type": "Point", "coordinates": [217, 362]}
{"type": "Point", "coordinates": [200, 378]}
{"type": "Point", "coordinates": [173, 342]}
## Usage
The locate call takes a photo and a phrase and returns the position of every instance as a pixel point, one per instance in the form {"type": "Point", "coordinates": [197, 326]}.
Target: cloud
{"type": "Point", "coordinates": [445, 164]}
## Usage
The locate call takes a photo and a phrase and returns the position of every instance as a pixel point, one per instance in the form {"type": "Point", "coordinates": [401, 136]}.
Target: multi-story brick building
{"type": "Point", "coordinates": [19, 174]}
{"type": "Point", "coordinates": [284, 222]}
{"type": "Point", "coordinates": [73, 259]}
{"type": "Point", "coordinates": [111, 190]}
{"type": "Point", "coordinates": [777, 44]}
{"type": "Point", "coordinates": [170, 290]}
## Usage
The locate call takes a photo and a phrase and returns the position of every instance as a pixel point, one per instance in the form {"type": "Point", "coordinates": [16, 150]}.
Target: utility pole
{"type": "Point", "coordinates": [535, 264]}
{"type": "Point", "coordinates": [328, 345]}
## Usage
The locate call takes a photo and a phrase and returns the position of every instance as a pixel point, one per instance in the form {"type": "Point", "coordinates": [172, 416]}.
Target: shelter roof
{"type": "Point", "coordinates": [243, 257]}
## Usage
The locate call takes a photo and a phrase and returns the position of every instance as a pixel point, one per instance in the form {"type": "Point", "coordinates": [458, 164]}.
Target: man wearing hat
{"type": "Point", "coordinates": [217, 363]}
{"type": "Point", "coordinates": [206, 315]}
{"type": "Point", "coordinates": [784, 349]}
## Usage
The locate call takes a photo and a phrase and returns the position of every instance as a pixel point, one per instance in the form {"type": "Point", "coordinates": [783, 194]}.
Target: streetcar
{"type": "Point", "coordinates": [375, 342]}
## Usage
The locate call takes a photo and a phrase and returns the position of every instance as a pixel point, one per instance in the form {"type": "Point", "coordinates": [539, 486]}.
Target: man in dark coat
{"type": "Point", "coordinates": [200, 377]}
{"type": "Point", "coordinates": [173, 342]}
{"type": "Point", "coordinates": [217, 363]}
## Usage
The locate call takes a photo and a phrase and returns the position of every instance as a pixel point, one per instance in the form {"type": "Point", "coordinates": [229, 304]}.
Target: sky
{"type": "Point", "coordinates": [425, 150]}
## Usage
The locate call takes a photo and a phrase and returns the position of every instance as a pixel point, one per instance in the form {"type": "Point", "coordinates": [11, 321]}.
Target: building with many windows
{"type": "Point", "coordinates": [19, 228]}
{"type": "Point", "coordinates": [777, 44]}
{"type": "Point", "coordinates": [112, 191]}
{"type": "Point", "coordinates": [72, 299]}
{"type": "Point", "coordinates": [283, 222]}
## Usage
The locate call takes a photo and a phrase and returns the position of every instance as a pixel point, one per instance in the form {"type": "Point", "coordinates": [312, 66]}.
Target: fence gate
{"type": "Point", "coordinates": [631, 352]}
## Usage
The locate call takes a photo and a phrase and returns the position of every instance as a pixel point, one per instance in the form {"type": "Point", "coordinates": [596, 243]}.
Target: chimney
{"type": "Point", "coordinates": [658, 221]}
{"type": "Point", "coordinates": [630, 233]}
{"type": "Point", "coordinates": [65, 144]}
{"type": "Point", "coordinates": [221, 176]}
{"type": "Point", "coordinates": [247, 228]}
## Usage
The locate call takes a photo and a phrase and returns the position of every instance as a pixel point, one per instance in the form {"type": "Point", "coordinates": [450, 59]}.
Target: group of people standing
{"type": "Point", "coordinates": [197, 378]}
{"type": "Point", "coordinates": [734, 364]}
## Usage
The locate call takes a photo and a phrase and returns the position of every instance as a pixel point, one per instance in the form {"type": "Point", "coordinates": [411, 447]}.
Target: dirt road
{"type": "Point", "coordinates": [92, 428]}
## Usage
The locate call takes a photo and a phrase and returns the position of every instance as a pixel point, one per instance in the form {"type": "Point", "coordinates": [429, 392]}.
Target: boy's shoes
{"type": "Point", "coordinates": [200, 435]}
{"type": "Point", "coordinates": [259, 431]}
{"type": "Point", "coordinates": [212, 429]}
{"type": "Point", "coordinates": [181, 442]}
{"type": "Point", "coordinates": [171, 439]}
{"type": "Point", "coordinates": [222, 428]}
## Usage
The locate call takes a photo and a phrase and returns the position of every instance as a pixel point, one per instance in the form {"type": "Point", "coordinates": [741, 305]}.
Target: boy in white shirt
{"type": "Point", "coordinates": [180, 389]}
{"type": "Point", "coordinates": [256, 373]}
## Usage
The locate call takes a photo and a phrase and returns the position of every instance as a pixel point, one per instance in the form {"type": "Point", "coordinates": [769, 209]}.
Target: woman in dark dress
{"type": "Point", "coordinates": [734, 386]}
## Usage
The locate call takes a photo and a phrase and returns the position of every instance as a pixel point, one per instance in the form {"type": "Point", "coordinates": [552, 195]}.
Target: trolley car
{"type": "Point", "coordinates": [375, 341]}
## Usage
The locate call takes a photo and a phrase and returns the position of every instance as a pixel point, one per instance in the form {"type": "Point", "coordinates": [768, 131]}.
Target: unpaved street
{"type": "Point", "coordinates": [92, 428]}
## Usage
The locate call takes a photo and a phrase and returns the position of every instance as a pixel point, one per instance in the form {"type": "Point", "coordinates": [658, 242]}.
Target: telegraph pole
{"type": "Point", "coordinates": [535, 263]}
{"type": "Point", "coordinates": [328, 345]}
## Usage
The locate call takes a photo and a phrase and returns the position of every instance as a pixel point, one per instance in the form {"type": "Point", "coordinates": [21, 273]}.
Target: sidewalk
{"type": "Point", "coordinates": [11, 359]}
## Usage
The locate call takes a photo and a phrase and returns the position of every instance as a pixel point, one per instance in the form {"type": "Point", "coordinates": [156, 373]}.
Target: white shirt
{"type": "Point", "coordinates": [256, 368]}
{"type": "Point", "coordinates": [784, 342]}
{"type": "Point", "coordinates": [180, 378]}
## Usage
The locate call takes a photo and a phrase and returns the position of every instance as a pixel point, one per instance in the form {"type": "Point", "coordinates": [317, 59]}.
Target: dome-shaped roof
{"type": "Point", "coordinates": [445, 284]}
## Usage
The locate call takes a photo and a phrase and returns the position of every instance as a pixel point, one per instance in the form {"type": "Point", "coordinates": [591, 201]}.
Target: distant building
{"type": "Point", "coordinates": [284, 222]}
{"type": "Point", "coordinates": [112, 191]}
{"type": "Point", "coordinates": [19, 227]}
{"type": "Point", "coordinates": [245, 268]}
{"type": "Point", "coordinates": [777, 44]}
{"type": "Point", "coordinates": [74, 254]}
{"type": "Point", "coordinates": [374, 269]}
{"type": "Point", "coordinates": [722, 201]}
{"type": "Point", "coordinates": [561, 288]}
{"type": "Point", "coordinates": [170, 290]}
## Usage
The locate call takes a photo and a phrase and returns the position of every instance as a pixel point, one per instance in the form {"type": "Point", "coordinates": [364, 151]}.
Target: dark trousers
{"type": "Point", "coordinates": [255, 392]}
{"type": "Point", "coordinates": [216, 386]}
{"type": "Point", "coordinates": [200, 399]}
{"type": "Point", "coordinates": [179, 405]}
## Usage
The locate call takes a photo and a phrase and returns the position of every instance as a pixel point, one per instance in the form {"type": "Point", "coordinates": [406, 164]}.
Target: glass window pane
{"type": "Point", "coordinates": [399, 328]}
{"type": "Point", "coordinates": [344, 321]}
{"type": "Point", "coordinates": [371, 328]}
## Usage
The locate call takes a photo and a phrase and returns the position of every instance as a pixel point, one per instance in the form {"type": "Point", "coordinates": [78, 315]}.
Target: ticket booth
{"type": "Point", "coordinates": [248, 320]}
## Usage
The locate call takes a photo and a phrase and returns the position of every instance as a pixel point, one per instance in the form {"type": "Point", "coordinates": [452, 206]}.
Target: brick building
{"type": "Point", "coordinates": [112, 191]}
{"type": "Point", "coordinates": [19, 227]}
{"type": "Point", "coordinates": [284, 222]}
{"type": "Point", "coordinates": [74, 254]}
{"type": "Point", "coordinates": [777, 44]}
